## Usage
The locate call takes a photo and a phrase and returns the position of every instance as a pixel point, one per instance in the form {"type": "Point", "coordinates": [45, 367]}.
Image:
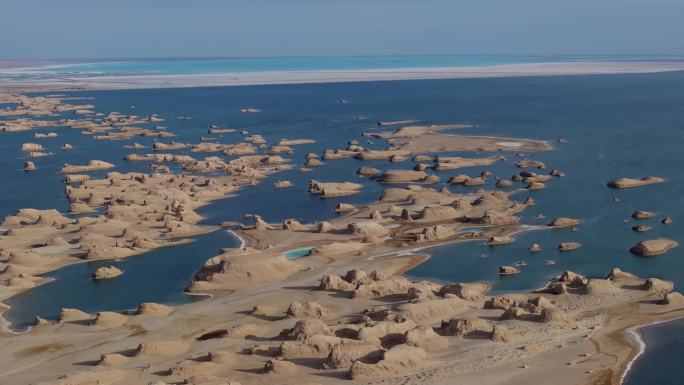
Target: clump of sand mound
{"type": "Point", "coordinates": [472, 291]}
{"type": "Point", "coordinates": [344, 355]}
{"type": "Point", "coordinates": [337, 248]}
{"type": "Point", "coordinates": [601, 287]}
{"type": "Point", "coordinates": [569, 246]}
{"type": "Point", "coordinates": [308, 310]}
{"type": "Point", "coordinates": [439, 213]}
{"type": "Point", "coordinates": [154, 309]}
{"type": "Point", "coordinates": [242, 266]}
{"type": "Point", "coordinates": [672, 299]}
{"type": "Point", "coordinates": [314, 346]}
{"type": "Point", "coordinates": [162, 348]}
{"type": "Point", "coordinates": [653, 247]}
{"type": "Point", "coordinates": [499, 240]}
{"type": "Point", "coordinates": [367, 229]}
{"type": "Point", "coordinates": [501, 334]}
{"type": "Point", "coordinates": [107, 272]}
{"type": "Point", "coordinates": [425, 337]}
{"type": "Point", "coordinates": [375, 285]}
{"type": "Point", "coordinates": [465, 326]}
{"type": "Point", "coordinates": [538, 309]}
{"type": "Point", "coordinates": [435, 233]}
{"type": "Point", "coordinates": [68, 315]}
{"type": "Point", "coordinates": [427, 312]}
{"type": "Point", "coordinates": [222, 357]}
{"type": "Point", "coordinates": [402, 176]}
{"type": "Point", "coordinates": [336, 283]}
{"type": "Point", "coordinates": [108, 319]}
{"type": "Point", "coordinates": [379, 288]}
{"type": "Point", "coordinates": [190, 368]}
{"type": "Point", "coordinates": [243, 330]}
{"type": "Point", "coordinates": [564, 222]}
{"type": "Point", "coordinates": [630, 182]}
{"type": "Point", "coordinates": [368, 171]}
{"type": "Point", "coordinates": [399, 359]}
{"type": "Point", "coordinates": [658, 285]}
{"type": "Point", "coordinates": [333, 189]}
{"type": "Point", "coordinates": [616, 274]}
{"type": "Point", "coordinates": [280, 367]}
{"type": "Point", "coordinates": [344, 207]}
{"type": "Point", "coordinates": [307, 328]}
{"type": "Point", "coordinates": [642, 214]}
{"type": "Point", "coordinates": [265, 311]}
{"type": "Point", "coordinates": [113, 360]}
{"type": "Point", "coordinates": [375, 333]}
{"type": "Point", "coordinates": [93, 165]}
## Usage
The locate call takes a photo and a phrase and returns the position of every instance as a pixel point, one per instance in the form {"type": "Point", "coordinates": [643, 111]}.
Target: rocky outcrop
{"type": "Point", "coordinates": [564, 222]}
{"type": "Point", "coordinates": [368, 171]}
{"type": "Point", "coordinates": [435, 233]}
{"type": "Point", "coordinates": [344, 355]}
{"type": "Point", "coordinates": [399, 359]}
{"type": "Point", "coordinates": [466, 326]}
{"type": "Point", "coordinates": [402, 176]}
{"type": "Point", "coordinates": [630, 182]}
{"type": "Point", "coordinates": [653, 247]}
{"type": "Point", "coordinates": [108, 272]}
{"type": "Point", "coordinates": [282, 184]}
{"type": "Point", "coordinates": [601, 287]}
{"type": "Point", "coordinates": [307, 310]}
{"type": "Point", "coordinates": [508, 270]}
{"type": "Point", "coordinates": [108, 319]}
{"type": "Point", "coordinates": [641, 214]}
{"type": "Point", "coordinates": [153, 309]}
{"type": "Point", "coordinates": [569, 246]}
{"type": "Point", "coordinates": [329, 190]}
{"type": "Point", "coordinates": [93, 165]}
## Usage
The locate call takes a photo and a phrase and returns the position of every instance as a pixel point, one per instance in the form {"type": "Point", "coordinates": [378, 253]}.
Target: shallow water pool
{"type": "Point", "coordinates": [297, 253]}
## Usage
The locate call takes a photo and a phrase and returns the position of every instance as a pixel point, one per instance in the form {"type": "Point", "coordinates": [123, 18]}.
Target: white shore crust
{"type": "Point", "coordinates": [337, 76]}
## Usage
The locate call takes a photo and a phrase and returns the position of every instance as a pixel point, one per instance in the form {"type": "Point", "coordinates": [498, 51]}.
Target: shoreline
{"type": "Point", "coordinates": [637, 335]}
{"type": "Point", "coordinates": [66, 82]}
{"type": "Point", "coordinates": [6, 325]}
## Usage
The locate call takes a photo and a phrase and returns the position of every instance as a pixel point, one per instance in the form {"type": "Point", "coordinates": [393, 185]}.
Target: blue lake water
{"type": "Point", "coordinates": [618, 125]}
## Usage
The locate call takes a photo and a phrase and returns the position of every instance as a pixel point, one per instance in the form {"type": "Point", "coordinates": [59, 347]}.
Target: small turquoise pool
{"type": "Point", "coordinates": [297, 253]}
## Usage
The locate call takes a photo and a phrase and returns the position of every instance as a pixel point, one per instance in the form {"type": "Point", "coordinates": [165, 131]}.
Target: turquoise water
{"type": "Point", "coordinates": [297, 253]}
{"type": "Point", "coordinates": [618, 125]}
{"type": "Point", "coordinates": [259, 64]}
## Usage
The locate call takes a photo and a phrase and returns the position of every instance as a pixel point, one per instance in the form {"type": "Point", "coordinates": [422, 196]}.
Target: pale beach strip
{"type": "Point", "coordinates": [341, 76]}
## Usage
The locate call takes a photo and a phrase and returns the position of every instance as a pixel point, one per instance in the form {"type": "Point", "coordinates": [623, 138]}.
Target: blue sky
{"type": "Point", "coordinates": [172, 28]}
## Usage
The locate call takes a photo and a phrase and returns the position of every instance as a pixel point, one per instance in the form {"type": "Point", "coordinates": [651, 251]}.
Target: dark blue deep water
{"type": "Point", "coordinates": [618, 125]}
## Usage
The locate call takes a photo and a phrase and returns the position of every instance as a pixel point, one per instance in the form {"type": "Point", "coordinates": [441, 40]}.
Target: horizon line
{"type": "Point", "coordinates": [228, 57]}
